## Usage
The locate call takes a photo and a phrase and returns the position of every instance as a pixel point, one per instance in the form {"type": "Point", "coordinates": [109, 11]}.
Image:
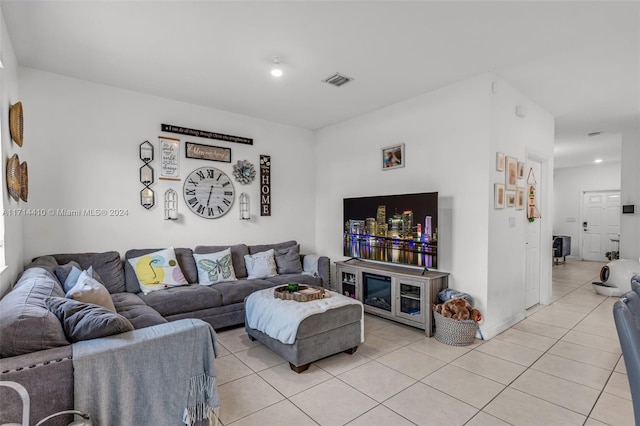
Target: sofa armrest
{"type": "Point", "coordinates": [319, 265]}
{"type": "Point", "coordinates": [48, 377]}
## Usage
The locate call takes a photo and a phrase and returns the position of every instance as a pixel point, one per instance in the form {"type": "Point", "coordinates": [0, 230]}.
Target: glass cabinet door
{"type": "Point", "coordinates": [348, 284]}
{"type": "Point", "coordinates": [410, 300]}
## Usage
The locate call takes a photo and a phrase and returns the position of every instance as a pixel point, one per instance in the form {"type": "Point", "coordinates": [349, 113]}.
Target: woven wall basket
{"type": "Point", "coordinates": [16, 122]}
{"type": "Point", "coordinates": [24, 181]}
{"type": "Point", "coordinates": [13, 177]}
{"type": "Point", "coordinates": [454, 332]}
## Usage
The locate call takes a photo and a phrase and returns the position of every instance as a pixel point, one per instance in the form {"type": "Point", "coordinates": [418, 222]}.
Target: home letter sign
{"type": "Point", "coordinates": [265, 185]}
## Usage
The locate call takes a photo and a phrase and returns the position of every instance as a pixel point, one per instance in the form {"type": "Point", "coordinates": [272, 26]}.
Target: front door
{"type": "Point", "coordinates": [532, 259]}
{"type": "Point", "coordinates": [600, 224]}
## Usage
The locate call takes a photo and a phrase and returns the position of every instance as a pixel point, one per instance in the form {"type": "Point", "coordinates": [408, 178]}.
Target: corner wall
{"type": "Point", "coordinates": [83, 154]}
{"type": "Point", "coordinates": [630, 194]}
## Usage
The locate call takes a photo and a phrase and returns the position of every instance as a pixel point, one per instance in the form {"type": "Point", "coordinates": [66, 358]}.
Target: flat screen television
{"type": "Point", "coordinates": [392, 228]}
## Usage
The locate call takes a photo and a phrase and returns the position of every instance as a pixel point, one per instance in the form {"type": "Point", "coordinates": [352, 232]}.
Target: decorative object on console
{"type": "Point", "coordinates": [13, 177]}
{"type": "Point", "coordinates": [244, 206]}
{"type": "Point", "coordinates": [498, 192]}
{"type": "Point", "coordinates": [205, 134]}
{"type": "Point", "coordinates": [170, 205]}
{"type": "Point", "coordinates": [208, 192]}
{"type": "Point", "coordinates": [169, 158]}
{"type": "Point", "coordinates": [16, 123]}
{"type": "Point", "coordinates": [499, 161]}
{"type": "Point", "coordinates": [24, 182]}
{"type": "Point", "coordinates": [244, 172]}
{"type": "Point", "coordinates": [208, 152]}
{"type": "Point", "coordinates": [147, 196]}
{"type": "Point", "coordinates": [265, 185]}
{"type": "Point", "coordinates": [512, 173]}
{"type": "Point", "coordinates": [393, 157]}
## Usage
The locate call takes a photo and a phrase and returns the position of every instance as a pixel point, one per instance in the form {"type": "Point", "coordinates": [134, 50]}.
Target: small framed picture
{"type": "Point", "coordinates": [499, 161]}
{"type": "Point", "coordinates": [520, 170]}
{"type": "Point", "coordinates": [499, 195]}
{"type": "Point", "coordinates": [512, 173]}
{"type": "Point", "coordinates": [511, 199]}
{"type": "Point", "coordinates": [520, 199]}
{"type": "Point", "coordinates": [393, 157]}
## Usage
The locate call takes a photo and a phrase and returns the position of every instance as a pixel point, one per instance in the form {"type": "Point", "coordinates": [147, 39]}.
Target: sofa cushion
{"type": "Point", "coordinates": [238, 252]}
{"type": "Point", "coordinates": [26, 325]}
{"type": "Point", "coordinates": [265, 247]}
{"type": "Point", "coordinates": [134, 309]}
{"type": "Point", "coordinates": [108, 266]}
{"type": "Point", "coordinates": [215, 267]}
{"type": "Point", "coordinates": [183, 255]}
{"type": "Point", "coordinates": [261, 265]}
{"type": "Point", "coordinates": [236, 291]}
{"type": "Point", "coordinates": [296, 278]}
{"type": "Point", "coordinates": [85, 321]}
{"type": "Point", "coordinates": [176, 300]}
{"type": "Point", "coordinates": [157, 270]}
{"type": "Point", "coordinates": [89, 290]}
{"type": "Point", "coordinates": [288, 260]}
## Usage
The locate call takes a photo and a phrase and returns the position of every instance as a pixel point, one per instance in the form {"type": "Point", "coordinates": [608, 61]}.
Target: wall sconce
{"type": "Point", "coordinates": [170, 205]}
{"type": "Point", "coordinates": [244, 206]}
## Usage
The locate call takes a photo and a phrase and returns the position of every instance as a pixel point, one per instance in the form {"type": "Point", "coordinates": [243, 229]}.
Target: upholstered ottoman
{"type": "Point", "coordinates": [304, 332]}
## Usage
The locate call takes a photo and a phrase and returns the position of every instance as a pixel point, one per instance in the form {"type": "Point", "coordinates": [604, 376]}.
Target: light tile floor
{"type": "Point", "coordinates": [560, 366]}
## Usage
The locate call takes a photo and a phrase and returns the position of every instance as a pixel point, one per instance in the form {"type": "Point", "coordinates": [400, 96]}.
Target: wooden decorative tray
{"type": "Point", "coordinates": [305, 293]}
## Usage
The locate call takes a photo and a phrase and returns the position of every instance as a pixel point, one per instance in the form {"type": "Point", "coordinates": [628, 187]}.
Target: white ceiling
{"type": "Point", "coordinates": [578, 60]}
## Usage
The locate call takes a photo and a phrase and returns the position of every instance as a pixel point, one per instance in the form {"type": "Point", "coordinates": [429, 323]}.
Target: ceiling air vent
{"type": "Point", "coordinates": [337, 79]}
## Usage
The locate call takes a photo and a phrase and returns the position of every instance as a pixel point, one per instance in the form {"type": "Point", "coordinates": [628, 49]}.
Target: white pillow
{"type": "Point", "coordinates": [158, 270]}
{"type": "Point", "coordinates": [88, 290]}
{"type": "Point", "coordinates": [215, 267]}
{"type": "Point", "coordinates": [261, 265]}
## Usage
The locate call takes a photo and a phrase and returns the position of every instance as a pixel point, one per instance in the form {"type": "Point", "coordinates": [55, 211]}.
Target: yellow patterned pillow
{"type": "Point", "coordinates": [158, 270]}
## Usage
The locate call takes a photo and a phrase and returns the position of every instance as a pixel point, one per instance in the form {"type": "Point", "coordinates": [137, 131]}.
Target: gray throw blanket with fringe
{"type": "Point", "coordinates": [160, 375]}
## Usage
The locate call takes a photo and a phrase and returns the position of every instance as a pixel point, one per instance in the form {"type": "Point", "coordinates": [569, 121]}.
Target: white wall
{"type": "Point", "coordinates": [449, 149]}
{"type": "Point", "coordinates": [13, 225]}
{"type": "Point", "coordinates": [569, 185]}
{"type": "Point", "coordinates": [83, 143]}
{"type": "Point", "coordinates": [519, 137]}
{"type": "Point", "coordinates": [630, 194]}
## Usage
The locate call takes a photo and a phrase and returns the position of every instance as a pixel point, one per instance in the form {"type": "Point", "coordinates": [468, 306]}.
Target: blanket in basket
{"type": "Point", "coordinates": [161, 375]}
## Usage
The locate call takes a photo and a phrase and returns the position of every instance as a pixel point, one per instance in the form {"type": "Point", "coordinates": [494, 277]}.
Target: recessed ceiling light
{"type": "Point", "coordinates": [598, 160]}
{"type": "Point", "coordinates": [276, 70]}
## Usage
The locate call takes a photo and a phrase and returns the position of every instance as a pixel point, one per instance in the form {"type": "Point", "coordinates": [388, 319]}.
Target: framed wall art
{"type": "Point", "coordinates": [169, 158]}
{"type": "Point", "coordinates": [499, 195]}
{"type": "Point", "coordinates": [393, 157]}
{"type": "Point", "coordinates": [499, 161]}
{"type": "Point", "coordinates": [512, 173]}
{"type": "Point", "coordinates": [208, 152]}
{"type": "Point", "coordinates": [511, 200]}
{"type": "Point", "coordinates": [520, 170]}
{"type": "Point", "coordinates": [520, 199]}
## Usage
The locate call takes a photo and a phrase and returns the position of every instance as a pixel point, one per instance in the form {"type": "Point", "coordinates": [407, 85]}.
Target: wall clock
{"type": "Point", "coordinates": [208, 192]}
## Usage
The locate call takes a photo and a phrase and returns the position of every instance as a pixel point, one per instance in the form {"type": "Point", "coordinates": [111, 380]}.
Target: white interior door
{"type": "Point", "coordinates": [600, 224]}
{"type": "Point", "coordinates": [532, 259]}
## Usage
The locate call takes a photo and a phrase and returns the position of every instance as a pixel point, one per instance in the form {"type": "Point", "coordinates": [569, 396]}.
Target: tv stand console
{"type": "Point", "coordinates": [394, 292]}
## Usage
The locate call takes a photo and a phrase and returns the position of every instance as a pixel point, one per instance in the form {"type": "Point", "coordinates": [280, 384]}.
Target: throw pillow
{"type": "Point", "coordinates": [261, 265]}
{"type": "Point", "coordinates": [215, 267]}
{"type": "Point", "coordinates": [63, 271]}
{"type": "Point", "coordinates": [84, 321]}
{"type": "Point", "coordinates": [288, 260]}
{"type": "Point", "coordinates": [158, 270]}
{"type": "Point", "coordinates": [72, 277]}
{"type": "Point", "coordinates": [89, 290]}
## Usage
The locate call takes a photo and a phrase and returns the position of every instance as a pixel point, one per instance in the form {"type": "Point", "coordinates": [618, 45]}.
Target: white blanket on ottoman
{"type": "Point", "coordinates": [279, 319]}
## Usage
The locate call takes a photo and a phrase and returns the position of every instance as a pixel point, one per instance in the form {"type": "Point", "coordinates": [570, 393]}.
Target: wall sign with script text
{"type": "Point", "coordinates": [208, 152]}
{"type": "Point", "coordinates": [205, 134]}
{"type": "Point", "coordinates": [169, 158]}
{"type": "Point", "coordinates": [265, 185]}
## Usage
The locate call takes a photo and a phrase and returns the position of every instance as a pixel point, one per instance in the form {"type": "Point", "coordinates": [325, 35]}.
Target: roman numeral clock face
{"type": "Point", "coordinates": [208, 192]}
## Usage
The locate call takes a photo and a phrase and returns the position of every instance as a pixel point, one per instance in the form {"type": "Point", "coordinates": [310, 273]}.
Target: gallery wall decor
{"type": "Point", "coordinates": [499, 161]}
{"type": "Point", "coordinates": [393, 157]}
{"type": "Point", "coordinates": [16, 123]}
{"type": "Point", "coordinates": [147, 196]}
{"type": "Point", "coordinates": [169, 158]}
{"type": "Point", "coordinates": [511, 165]}
{"type": "Point", "coordinates": [205, 134]}
{"type": "Point", "coordinates": [520, 170]}
{"type": "Point", "coordinates": [208, 152]}
{"type": "Point", "coordinates": [265, 185]}
{"type": "Point", "coordinates": [532, 205]}
{"type": "Point", "coordinates": [498, 194]}
{"type": "Point", "coordinates": [520, 198]}
{"type": "Point", "coordinates": [24, 181]}
{"type": "Point", "coordinates": [208, 192]}
{"type": "Point", "coordinates": [13, 177]}
{"type": "Point", "coordinates": [244, 172]}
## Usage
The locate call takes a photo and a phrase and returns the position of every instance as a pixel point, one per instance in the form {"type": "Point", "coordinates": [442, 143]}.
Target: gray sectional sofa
{"type": "Point", "coordinates": [35, 352]}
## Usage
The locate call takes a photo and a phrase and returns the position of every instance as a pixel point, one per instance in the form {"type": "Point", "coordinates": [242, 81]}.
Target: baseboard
{"type": "Point", "coordinates": [493, 331]}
